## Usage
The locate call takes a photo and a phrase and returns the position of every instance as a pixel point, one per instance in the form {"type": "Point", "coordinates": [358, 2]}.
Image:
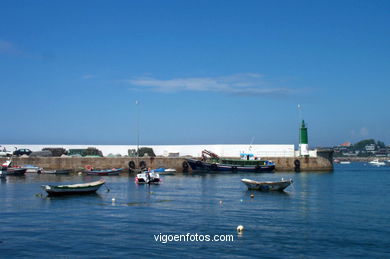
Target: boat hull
{"type": "Point", "coordinates": [148, 178]}
{"type": "Point", "coordinates": [266, 186]}
{"type": "Point", "coordinates": [59, 171]}
{"type": "Point", "coordinates": [32, 169]}
{"type": "Point", "coordinates": [105, 172]}
{"type": "Point", "coordinates": [164, 171]}
{"type": "Point", "coordinates": [58, 190]}
{"type": "Point", "coordinates": [198, 165]}
{"type": "Point", "coordinates": [15, 171]}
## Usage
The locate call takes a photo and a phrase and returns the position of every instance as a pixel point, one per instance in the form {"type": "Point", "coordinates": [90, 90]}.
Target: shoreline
{"type": "Point", "coordinates": [361, 159]}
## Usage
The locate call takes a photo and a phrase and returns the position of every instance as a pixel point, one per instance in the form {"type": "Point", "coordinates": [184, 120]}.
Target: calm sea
{"type": "Point", "coordinates": [341, 214]}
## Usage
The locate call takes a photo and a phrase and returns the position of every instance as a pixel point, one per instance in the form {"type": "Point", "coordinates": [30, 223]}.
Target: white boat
{"type": "Point", "coordinates": [268, 185]}
{"type": "Point", "coordinates": [345, 162]}
{"type": "Point", "coordinates": [148, 177]}
{"type": "Point", "coordinates": [169, 171]}
{"type": "Point", "coordinates": [32, 169]}
{"type": "Point", "coordinates": [376, 162]}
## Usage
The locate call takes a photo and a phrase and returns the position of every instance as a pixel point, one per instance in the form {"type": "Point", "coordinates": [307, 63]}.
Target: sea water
{"type": "Point", "coordinates": [339, 214]}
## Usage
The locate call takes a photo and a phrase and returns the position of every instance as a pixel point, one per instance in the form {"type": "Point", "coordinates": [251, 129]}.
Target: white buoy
{"type": "Point", "coordinates": [113, 199]}
{"type": "Point", "coordinates": [241, 200]}
{"type": "Point", "coordinates": [220, 202]}
{"type": "Point", "coordinates": [240, 229]}
{"type": "Point", "coordinates": [252, 195]}
{"type": "Point", "coordinates": [80, 173]}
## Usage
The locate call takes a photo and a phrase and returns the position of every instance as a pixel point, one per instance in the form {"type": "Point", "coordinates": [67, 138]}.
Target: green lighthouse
{"type": "Point", "coordinates": [303, 140]}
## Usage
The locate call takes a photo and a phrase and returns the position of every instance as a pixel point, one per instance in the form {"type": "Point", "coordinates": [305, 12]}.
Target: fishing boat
{"type": "Point", "coordinates": [247, 163]}
{"type": "Point", "coordinates": [376, 162]}
{"type": "Point", "coordinates": [80, 188]}
{"type": "Point", "coordinates": [17, 171]}
{"type": "Point", "coordinates": [165, 171]}
{"type": "Point", "coordinates": [114, 171]}
{"type": "Point", "coordinates": [268, 185]}
{"type": "Point", "coordinates": [57, 171]}
{"type": "Point", "coordinates": [148, 177]}
{"type": "Point", "coordinates": [7, 168]}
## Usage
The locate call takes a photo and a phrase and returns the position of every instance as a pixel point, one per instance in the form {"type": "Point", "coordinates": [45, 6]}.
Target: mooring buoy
{"type": "Point", "coordinates": [240, 229]}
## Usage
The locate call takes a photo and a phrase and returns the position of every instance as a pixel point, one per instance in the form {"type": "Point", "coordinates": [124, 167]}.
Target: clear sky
{"type": "Point", "coordinates": [204, 72]}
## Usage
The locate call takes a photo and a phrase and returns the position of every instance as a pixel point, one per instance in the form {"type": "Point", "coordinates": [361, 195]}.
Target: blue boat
{"type": "Point", "coordinates": [114, 171]}
{"type": "Point", "coordinates": [165, 171]}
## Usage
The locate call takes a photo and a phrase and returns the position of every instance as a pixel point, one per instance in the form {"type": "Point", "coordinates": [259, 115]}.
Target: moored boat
{"type": "Point", "coordinates": [376, 162]}
{"type": "Point", "coordinates": [345, 162]}
{"type": "Point", "coordinates": [81, 188]}
{"type": "Point", "coordinates": [267, 185]}
{"type": "Point", "coordinates": [15, 171]}
{"type": "Point", "coordinates": [165, 171]}
{"type": "Point", "coordinates": [114, 171]}
{"type": "Point", "coordinates": [148, 177]}
{"type": "Point", "coordinates": [8, 168]}
{"type": "Point", "coordinates": [32, 169]}
{"type": "Point", "coordinates": [247, 163]}
{"type": "Point", "coordinates": [57, 171]}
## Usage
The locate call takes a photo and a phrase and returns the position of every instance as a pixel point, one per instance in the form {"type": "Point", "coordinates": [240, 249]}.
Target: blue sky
{"type": "Point", "coordinates": [204, 72]}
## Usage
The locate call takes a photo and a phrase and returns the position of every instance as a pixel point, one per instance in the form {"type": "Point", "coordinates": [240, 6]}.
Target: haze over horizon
{"type": "Point", "coordinates": [204, 72]}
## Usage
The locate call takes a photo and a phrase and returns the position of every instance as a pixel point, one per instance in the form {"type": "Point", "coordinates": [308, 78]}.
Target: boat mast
{"type": "Point", "coordinates": [299, 121]}
{"type": "Point", "coordinates": [137, 110]}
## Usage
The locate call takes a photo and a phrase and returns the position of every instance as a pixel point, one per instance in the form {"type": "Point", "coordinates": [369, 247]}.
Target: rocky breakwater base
{"type": "Point", "coordinates": [323, 162]}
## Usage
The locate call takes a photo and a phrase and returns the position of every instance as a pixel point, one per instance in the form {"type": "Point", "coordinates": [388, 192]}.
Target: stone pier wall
{"type": "Point", "coordinates": [323, 162]}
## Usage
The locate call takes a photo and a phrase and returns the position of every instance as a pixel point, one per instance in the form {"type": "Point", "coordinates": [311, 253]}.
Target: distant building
{"type": "Point", "coordinates": [370, 147]}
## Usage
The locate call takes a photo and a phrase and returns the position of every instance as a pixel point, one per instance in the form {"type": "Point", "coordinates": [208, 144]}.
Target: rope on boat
{"type": "Point", "coordinates": [108, 189]}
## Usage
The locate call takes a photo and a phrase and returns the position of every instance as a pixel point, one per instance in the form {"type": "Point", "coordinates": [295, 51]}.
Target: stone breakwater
{"type": "Point", "coordinates": [323, 162]}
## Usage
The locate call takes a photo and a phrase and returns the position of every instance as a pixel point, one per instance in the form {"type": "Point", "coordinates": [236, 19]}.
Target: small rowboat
{"type": "Point", "coordinates": [58, 171]}
{"type": "Point", "coordinates": [32, 169]}
{"type": "Point", "coordinates": [267, 186]}
{"type": "Point", "coordinates": [114, 171]}
{"type": "Point", "coordinates": [165, 171]}
{"type": "Point", "coordinates": [81, 188]}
